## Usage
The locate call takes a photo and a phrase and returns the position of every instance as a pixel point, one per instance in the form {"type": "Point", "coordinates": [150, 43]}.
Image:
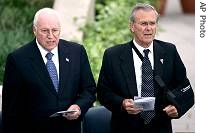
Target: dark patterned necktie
{"type": "Point", "coordinates": [147, 88]}
{"type": "Point", "coordinates": [52, 70]}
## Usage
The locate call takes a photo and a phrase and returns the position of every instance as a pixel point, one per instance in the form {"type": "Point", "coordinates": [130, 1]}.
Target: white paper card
{"type": "Point", "coordinates": [59, 113]}
{"type": "Point", "coordinates": [147, 103]}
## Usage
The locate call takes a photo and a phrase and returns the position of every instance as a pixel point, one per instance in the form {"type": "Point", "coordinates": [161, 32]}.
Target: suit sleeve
{"type": "Point", "coordinates": [180, 79]}
{"type": "Point", "coordinates": [179, 71]}
{"type": "Point", "coordinates": [87, 84]}
{"type": "Point", "coordinates": [105, 91]}
{"type": "Point", "coordinates": [11, 96]}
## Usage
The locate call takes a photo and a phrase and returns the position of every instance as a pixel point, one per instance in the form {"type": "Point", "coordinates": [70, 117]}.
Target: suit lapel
{"type": "Point", "coordinates": [65, 63]}
{"type": "Point", "coordinates": [38, 65]}
{"type": "Point", "coordinates": [127, 66]}
{"type": "Point", "coordinates": [159, 59]}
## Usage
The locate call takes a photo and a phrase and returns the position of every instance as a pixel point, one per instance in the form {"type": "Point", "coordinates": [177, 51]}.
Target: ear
{"type": "Point", "coordinates": [34, 30]}
{"type": "Point", "coordinates": [131, 26]}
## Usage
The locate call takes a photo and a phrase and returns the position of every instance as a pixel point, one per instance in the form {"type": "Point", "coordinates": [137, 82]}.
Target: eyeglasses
{"type": "Point", "coordinates": [55, 31]}
{"type": "Point", "coordinates": [145, 23]}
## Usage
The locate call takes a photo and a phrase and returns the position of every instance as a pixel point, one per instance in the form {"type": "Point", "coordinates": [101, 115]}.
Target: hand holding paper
{"type": "Point", "coordinates": [147, 103]}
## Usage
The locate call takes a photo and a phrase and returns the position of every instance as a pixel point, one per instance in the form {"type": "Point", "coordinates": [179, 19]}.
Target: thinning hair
{"type": "Point", "coordinates": [141, 6]}
{"type": "Point", "coordinates": [45, 10]}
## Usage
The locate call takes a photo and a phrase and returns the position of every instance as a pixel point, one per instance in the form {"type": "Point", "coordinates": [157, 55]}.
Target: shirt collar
{"type": "Point", "coordinates": [140, 48]}
{"type": "Point", "coordinates": [44, 51]}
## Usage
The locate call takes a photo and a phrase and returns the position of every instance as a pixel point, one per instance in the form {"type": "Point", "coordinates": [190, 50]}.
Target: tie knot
{"type": "Point", "coordinates": [49, 56]}
{"type": "Point", "coordinates": [146, 52]}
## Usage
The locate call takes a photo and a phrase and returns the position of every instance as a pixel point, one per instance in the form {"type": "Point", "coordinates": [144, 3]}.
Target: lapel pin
{"type": "Point", "coordinates": [161, 60]}
{"type": "Point", "coordinates": [67, 59]}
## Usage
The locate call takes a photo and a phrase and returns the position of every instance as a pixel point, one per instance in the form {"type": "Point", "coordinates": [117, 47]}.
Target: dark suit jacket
{"type": "Point", "coordinates": [29, 97]}
{"type": "Point", "coordinates": [117, 81]}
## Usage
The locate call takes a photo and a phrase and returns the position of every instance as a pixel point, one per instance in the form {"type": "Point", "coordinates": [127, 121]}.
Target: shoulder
{"type": "Point", "coordinates": [69, 44]}
{"type": "Point", "coordinates": [118, 49]}
{"type": "Point", "coordinates": [25, 49]}
{"type": "Point", "coordinates": [71, 48]}
{"type": "Point", "coordinates": [164, 44]}
{"type": "Point", "coordinates": [164, 47]}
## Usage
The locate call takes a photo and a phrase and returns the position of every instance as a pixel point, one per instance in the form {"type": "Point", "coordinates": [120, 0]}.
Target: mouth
{"type": "Point", "coordinates": [50, 42]}
{"type": "Point", "coordinates": [148, 35]}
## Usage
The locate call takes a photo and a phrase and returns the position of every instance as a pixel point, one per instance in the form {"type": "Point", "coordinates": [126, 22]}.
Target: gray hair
{"type": "Point", "coordinates": [48, 10]}
{"type": "Point", "coordinates": [141, 6]}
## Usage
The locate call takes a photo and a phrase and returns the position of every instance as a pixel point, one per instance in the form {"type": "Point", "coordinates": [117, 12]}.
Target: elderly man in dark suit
{"type": "Point", "coordinates": [122, 77]}
{"type": "Point", "coordinates": [46, 76]}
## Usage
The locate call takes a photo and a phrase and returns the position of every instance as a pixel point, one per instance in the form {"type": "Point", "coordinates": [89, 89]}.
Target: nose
{"type": "Point", "coordinates": [50, 34]}
{"type": "Point", "coordinates": [148, 27]}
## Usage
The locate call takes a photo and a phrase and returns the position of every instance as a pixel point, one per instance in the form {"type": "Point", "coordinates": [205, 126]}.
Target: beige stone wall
{"type": "Point", "coordinates": [74, 14]}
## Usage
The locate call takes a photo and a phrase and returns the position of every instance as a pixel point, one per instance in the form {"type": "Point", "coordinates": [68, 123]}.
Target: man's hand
{"type": "Point", "coordinates": [128, 105]}
{"type": "Point", "coordinates": [73, 115]}
{"type": "Point", "coordinates": [171, 111]}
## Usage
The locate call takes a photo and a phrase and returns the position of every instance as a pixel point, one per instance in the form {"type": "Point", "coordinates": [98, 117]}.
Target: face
{"type": "Point", "coordinates": [47, 31]}
{"type": "Point", "coordinates": [144, 27]}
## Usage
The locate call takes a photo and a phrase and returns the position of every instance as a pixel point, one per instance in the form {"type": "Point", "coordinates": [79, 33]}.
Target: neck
{"type": "Point", "coordinates": [144, 45]}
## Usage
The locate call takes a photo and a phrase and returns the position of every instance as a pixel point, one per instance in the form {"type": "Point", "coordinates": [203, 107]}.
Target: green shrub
{"type": "Point", "coordinates": [109, 28]}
